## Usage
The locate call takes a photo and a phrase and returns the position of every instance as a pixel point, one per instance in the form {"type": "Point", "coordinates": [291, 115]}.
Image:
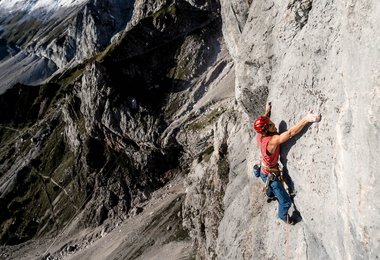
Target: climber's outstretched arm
{"type": "Point", "coordinates": [285, 136]}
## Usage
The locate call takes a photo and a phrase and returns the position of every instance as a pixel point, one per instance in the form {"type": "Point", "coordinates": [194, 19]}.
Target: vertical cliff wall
{"type": "Point", "coordinates": [301, 55]}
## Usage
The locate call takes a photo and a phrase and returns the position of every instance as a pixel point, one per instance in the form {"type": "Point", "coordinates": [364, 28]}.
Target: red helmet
{"type": "Point", "coordinates": [261, 124]}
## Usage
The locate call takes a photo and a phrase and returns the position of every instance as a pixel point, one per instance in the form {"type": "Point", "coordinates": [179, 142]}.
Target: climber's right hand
{"type": "Point", "coordinates": [268, 107]}
{"type": "Point", "coordinates": [312, 118]}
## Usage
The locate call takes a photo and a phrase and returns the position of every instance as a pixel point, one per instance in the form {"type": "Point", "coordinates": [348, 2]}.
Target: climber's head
{"type": "Point", "coordinates": [263, 125]}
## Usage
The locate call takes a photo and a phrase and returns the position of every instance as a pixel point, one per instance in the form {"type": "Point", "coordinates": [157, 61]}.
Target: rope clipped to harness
{"type": "Point", "coordinates": [274, 173]}
{"type": "Point", "coordinates": [274, 170]}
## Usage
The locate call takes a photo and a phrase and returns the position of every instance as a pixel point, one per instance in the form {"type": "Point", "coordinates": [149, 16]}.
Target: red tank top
{"type": "Point", "coordinates": [268, 160]}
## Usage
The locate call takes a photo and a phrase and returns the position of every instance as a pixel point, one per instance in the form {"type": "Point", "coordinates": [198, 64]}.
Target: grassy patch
{"type": "Point", "coordinates": [54, 151]}
{"type": "Point", "coordinates": [224, 170]}
{"type": "Point", "coordinates": [180, 234]}
{"type": "Point", "coordinates": [9, 136]}
{"type": "Point", "coordinates": [206, 120]}
{"type": "Point", "coordinates": [57, 30]}
{"type": "Point", "coordinates": [101, 56]}
{"type": "Point", "coordinates": [185, 61]}
{"type": "Point", "coordinates": [173, 106]}
{"type": "Point", "coordinates": [27, 30]}
{"type": "Point", "coordinates": [168, 10]}
{"type": "Point", "coordinates": [34, 206]}
{"type": "Point", "coordinates": [206, 154]}
{"type": "Point", "coordinates": [72, 76]}
{"type": "Point", "coordinates": [66, 209]}
{"type": "Point", "coordinates": [5, 226]}
{"type": "Point", "coordinates": [182, 70]}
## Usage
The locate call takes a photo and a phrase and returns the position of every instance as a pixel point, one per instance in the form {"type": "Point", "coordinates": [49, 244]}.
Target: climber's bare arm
{"type": "Point", "coordinates": [285, 136]}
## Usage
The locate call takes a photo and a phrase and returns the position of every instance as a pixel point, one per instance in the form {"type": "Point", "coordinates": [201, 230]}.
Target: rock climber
{"type": "Point", "coordinates": [269, 141]}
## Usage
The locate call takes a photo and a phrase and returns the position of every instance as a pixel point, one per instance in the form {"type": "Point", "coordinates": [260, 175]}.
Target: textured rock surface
{"type": "Point", "coordinates": [309, 55]}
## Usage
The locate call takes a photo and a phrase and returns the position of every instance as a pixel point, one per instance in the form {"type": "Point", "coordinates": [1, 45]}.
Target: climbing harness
{"type": "Point", "coordinates": [274, 173]}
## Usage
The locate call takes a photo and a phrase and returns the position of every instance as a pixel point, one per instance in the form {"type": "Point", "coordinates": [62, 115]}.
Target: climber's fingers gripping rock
{"type": "Point", "coordinates": [312, 118]}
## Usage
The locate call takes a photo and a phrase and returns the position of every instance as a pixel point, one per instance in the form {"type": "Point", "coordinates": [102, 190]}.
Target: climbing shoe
{"type": "Point", "coordinates": [270, 199]}
{"type": "Point", "coordinates": [290, 221]}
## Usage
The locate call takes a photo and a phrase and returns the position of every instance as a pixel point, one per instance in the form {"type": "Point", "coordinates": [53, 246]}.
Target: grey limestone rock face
{"type": "Point", "coordinates": [303, 55]}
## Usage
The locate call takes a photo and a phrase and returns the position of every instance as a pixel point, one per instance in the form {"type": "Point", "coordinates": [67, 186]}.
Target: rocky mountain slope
{"type": "Point", "coordinates": [145, 149]}
{"type": "Point", "coordinates": [40, 38]}
{"type": "Point", "coordinates": [99, 138]}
